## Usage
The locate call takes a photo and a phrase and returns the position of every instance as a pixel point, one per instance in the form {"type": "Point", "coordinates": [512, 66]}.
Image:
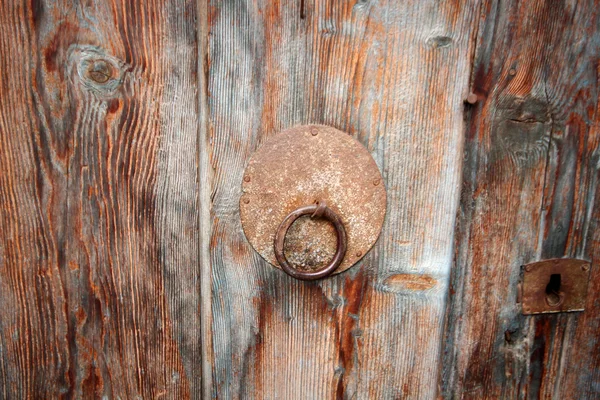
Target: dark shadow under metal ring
{"type": "Point", "coordinates": [318, 210]}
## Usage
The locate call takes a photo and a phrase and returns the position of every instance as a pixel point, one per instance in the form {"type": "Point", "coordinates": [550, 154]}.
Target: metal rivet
{"type": "Point", "coordinates": [246, 178]}
{"type": "Point", "coordinates": [472, 98]}
{"type": "Point", "coordinates": [100, 71]}
{"type": "Point", "coordinates": [512, 72]}
{"type": "Point", "coordinates": [314, 131]}
{"type": "Point", "coordinates": [358, 254]}
{"type": "Point", "coordinates": [528, 268]}
{"type": "Point", "coordinates": [376, 181]}
{"type": "Point", "coordinates": [246, 200]}
{"type": "Point", "coordinates": [526, 309]}
{"type": "Point", "coordinates": [585, 267]}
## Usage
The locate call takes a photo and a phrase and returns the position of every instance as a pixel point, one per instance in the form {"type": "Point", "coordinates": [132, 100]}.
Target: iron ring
{"type": "Point", "coordinates": [318, 210]}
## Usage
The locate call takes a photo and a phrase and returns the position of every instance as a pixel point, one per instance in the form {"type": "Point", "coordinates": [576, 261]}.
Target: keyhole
{"type": "Point", "coordinates": [553, 295]}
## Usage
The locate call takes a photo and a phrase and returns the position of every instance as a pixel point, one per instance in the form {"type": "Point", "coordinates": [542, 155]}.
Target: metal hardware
{"type": "Point", "coordinates": [318, 210]}
{"type": "Point", "coordinates": [555, 285]}
{"type": "Point", "coordinates": [297, 167]}
{"type": "Point", "coordinates": [471, 98]}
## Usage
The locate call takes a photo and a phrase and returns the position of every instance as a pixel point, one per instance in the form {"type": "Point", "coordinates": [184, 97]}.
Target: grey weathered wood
{"type": "Point", "coordinates": [98, 197]}
{"type": "Point", "coordinates": [124, 272]}
{"type": "Point", "coordinates": [530, 184]}
{"type": "Point", "coordinates": [394, 75]}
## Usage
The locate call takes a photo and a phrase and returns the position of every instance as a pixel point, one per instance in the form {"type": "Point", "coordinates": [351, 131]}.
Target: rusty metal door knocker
{"type": "Point", "coordinates": [318, 210]}
{"type": "Point", "coordinates": [319, 172]}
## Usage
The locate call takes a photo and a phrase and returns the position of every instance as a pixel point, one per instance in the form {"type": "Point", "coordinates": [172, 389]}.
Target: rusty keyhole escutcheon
{"type": "Point", "coordinates": [313, 201]}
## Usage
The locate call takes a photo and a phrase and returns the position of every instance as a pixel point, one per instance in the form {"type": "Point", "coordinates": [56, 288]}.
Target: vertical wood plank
{"type": "Point", "coordinates": [394, 75]}
{"type": "Point", "coordinates": [99, 191]}
{"type": "Point", "coordinates": [33, 328]}
{"type": "Point", "coordinates": [529, 193]}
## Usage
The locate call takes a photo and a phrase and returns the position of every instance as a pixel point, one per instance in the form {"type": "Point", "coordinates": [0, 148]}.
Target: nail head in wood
{"type": "Point", "coordinates": [472, 98]}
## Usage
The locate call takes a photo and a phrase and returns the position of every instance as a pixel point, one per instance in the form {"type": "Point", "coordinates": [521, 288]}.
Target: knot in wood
{"type": "Point", "coordinates": [100, 71]}
{"type": "Point", "coordinates": [97, 71]}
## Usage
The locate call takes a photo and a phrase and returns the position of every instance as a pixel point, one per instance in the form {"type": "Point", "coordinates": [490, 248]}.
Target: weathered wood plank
{"type": "Point", "coordinates": [394, 75]}
{"type": "Point", "coordinates": [99, 230]}
{"type": "Point", "coordinates": [33, 334]}
{"type": "Point", "coordinates": [530, 186]}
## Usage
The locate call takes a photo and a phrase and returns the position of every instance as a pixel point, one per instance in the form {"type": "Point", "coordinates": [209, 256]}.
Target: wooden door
{"type": "Point", "coordinates": [125, 128]}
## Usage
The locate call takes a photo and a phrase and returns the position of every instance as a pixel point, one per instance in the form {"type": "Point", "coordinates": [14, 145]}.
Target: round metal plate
{"type": "Point", "coordinates": [298, 167]}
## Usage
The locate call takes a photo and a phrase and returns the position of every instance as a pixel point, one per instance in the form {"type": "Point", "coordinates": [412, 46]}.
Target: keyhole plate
{"type": "Point", "coordinates": [555, 285]}
{"type": "Point", "coordinates": [297, 167]}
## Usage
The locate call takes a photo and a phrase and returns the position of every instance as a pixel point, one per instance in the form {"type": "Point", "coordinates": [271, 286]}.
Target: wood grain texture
{"type": "Point", "coordinates": [125, 128]}
{"type": "Point", "coordinates": [530, 192]}
{"type": "Point", "coordinates": [98, 197]}
{"type": "Point", "coordinates": [393, 75]}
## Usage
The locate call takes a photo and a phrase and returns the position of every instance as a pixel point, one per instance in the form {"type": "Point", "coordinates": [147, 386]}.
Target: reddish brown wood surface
{"type": "Point", "coordinates": [125, 128]}
{"type": "Point", "coordinates": [394, 75]}
{"type": "Point", "coordinates": [530, 192]}
{"type": "Point", "coordinates": [98, 199]}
